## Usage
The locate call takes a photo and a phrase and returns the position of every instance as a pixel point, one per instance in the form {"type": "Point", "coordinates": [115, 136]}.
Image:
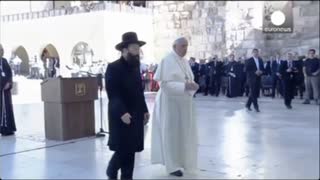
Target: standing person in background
{"type": "Point", "coordinates": [195, 67]}
{"type": "Point", "coordinates": [215, 75]}
{"type": "Point", "coordinates": [17, 65]}
{"type": "Point", "coordinates": [243, 75]}
{"type": "Point", "coordinates": [312, 74]}
{"type": "Point", "coordinates": [287, 72]}
{"type": "Point", "coordinates": [203, 77]}
{"type": "Point", "coordinates": [299, 76]}
{"type": "Point", "coordinates": [254, 69]}
{"type": "Point", "coordinates": [267, 67]}
{"type": "Point", "coordinates": [7, 123]}
{"type": "Point", "coordinates": [234, 72]}
{"type": "Point", "coordinates": [276, 81]}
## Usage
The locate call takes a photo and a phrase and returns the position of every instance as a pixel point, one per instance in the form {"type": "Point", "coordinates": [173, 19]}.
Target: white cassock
{"type": "Point", "coordinates": [174, 126]}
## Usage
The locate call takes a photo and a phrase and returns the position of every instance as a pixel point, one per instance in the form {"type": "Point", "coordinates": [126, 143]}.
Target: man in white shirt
{"type": "Point", "coordinates": [17, 65]}
{"type": "Point", "coordinates": [254, 69]}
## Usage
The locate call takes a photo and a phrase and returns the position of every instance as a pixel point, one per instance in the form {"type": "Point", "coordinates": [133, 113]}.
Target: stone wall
{"type": "Point", "coordinates": [233, 26]}
{"type": "Point", "coordinates": [201, 22]}
{"type": "Point", "coordinates": [305, 34]}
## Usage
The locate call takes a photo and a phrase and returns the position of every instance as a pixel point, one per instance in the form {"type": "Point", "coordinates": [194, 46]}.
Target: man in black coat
{"type": "Point", "coordinates": [215, 75]}
{"type": "Point", "coordinates": [7, 122]}
{"type": "Point", "coordinates": [286, 73]}
{"type": "Point", "coordinates": [254, 69]}
{"type": "Point", "coordinates": [234, 72]}
{"type": "Point", "coordinates": [128, 112]}
{"type": "Point", "coordinates": [299, 76]}
{"type": "Point", "coordinates": [195, 69]}
{"type": "Point", "coordinates": [267, 67]}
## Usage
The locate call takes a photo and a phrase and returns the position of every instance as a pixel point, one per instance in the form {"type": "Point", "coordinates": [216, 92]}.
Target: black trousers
{"type": "Point", "coordinates": [300, 88]}
{"type": "Point", "coordinates": [254, 89]}
{"type": "Point", "coordinates": [276, 84]}
{"type": "Point", "coordinates": [207, 88]}
{"type": "Point", "coordinates": [123, 161]}
{"type": "Point", "coordinates": [217, 85]}
{"type": "Point", "coordinates": [288, 90]}
{"type": "Point", "coordinates": [299, 85]}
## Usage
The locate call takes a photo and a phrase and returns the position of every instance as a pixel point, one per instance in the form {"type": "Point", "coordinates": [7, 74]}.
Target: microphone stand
{"type": "Point", "coordinates": [101, 133]}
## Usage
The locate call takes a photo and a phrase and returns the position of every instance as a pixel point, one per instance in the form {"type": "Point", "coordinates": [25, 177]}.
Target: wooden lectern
{"type": "Point", "coordinates": [69, 107]}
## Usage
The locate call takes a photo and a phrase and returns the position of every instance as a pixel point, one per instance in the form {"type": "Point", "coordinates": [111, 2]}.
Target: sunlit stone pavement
{"type": "Point", "coordinates": [233, 143]}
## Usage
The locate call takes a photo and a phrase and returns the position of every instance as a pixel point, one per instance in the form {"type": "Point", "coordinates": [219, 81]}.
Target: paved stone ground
{"type": "Point", "coordinates": [233, 143]}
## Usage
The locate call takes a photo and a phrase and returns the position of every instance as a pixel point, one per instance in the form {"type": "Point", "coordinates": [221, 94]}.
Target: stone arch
{"type": "Point", "coordinates": [22, 53]}
{"type": "Point", "coordinates": [82, 54]}
{"type": "Point", "coordinates": [47, 53]}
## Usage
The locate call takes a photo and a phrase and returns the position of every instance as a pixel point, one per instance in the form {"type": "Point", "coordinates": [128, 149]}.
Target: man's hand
{"type": "Point", "coordinates": [192, 86]}
{"type": "Point", "coordinates": [146, 118]}
{"type": "Point", "coordinates": [7, 86]}
{"type": "Point", "coordinates": [126, 118]}
{"type": "Point", "coordinates": [258, 72]}
{"type": "Point", "coordinates": [315, 73]}
{"type": "Point", "coordinates": [289, 70]}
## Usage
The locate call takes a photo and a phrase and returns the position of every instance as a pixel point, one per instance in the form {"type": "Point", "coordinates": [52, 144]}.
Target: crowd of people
{"type": "Point", "coordinates": [288, 75]}
{"type": "Point", "coordinates": [147, 75]}
{"type": "Point", "coordinates": [44, 68]}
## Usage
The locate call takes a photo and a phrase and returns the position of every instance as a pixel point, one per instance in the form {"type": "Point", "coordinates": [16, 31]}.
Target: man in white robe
{"type": "Point", "coordinates": [174, 126]}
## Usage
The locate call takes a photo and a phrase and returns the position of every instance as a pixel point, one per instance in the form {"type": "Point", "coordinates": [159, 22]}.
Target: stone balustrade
{"type": "Point", "coordinates": [103, 6]}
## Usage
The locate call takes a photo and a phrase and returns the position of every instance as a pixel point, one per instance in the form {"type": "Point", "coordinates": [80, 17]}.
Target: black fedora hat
{"type": "Point", "coordinates": [129, 38]}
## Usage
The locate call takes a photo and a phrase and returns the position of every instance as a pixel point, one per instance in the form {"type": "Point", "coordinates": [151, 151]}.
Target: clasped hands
{"type": "Point", "coordinates": [259, 73]}
{"type": "Point", "coordinates": [191, 86]}
{"type": "Point", "coordinates": [126, 118]}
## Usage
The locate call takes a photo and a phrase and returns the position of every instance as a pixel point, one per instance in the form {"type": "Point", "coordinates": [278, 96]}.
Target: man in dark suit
{"type": "Point", "coordinates": [254, 69]}
{"type": "Point", "coordinates": [267, 67]}
{"type": "Point", "coordinates": [299, 76]}
{"type": "Point", "coordinates": [128, 112]}
{"type": "Point", "coordinates": [195, 69]}
{"type": "Point", "coordinates": [203, 77]}
{"type": "Point", "coordinates": [286, 73]}
{"type": "Point", "coordinates": [276, 81]}
{"type": "Point", "coordinates": [215, 75]}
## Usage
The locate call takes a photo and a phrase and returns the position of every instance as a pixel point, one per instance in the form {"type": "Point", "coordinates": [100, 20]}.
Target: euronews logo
{"type": "Point", "coordinates": [278, 18]}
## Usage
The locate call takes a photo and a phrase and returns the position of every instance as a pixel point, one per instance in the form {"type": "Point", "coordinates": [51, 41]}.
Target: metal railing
{"type": "Point", "coordinates": [103, 6]}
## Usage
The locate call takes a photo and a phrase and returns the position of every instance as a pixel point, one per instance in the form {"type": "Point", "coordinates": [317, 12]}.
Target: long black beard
{"type": "Point", "coordinates": [133, 60]}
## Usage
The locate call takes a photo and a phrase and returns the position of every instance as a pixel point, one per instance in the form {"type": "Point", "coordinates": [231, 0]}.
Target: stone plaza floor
{"type": "Point", "coordinates": [233, 144]}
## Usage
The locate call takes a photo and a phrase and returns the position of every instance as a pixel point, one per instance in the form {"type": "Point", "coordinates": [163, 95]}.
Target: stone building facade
{"type": "Point", "coordinates": [222, 27]}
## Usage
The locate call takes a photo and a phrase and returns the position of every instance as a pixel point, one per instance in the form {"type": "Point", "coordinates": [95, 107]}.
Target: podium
{"type": "Point", "coordinates": [69, 107]}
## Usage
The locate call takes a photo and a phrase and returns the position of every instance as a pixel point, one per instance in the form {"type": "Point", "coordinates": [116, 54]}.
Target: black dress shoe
{"type": "Point", "coordinates": [177, 173]}
{"type": "Point", "coordinates": [306, 102]}
{"type": "Point", "coordinates": [110, 174]}
{"type": "Point", "coordinates": [257, 109]}
{"type": "Point", "coordinates": [289, 106]}
{"type": "Point", "coordinates": [248, 108]}
{"type": "Point", "coordinates": [7, 134]}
